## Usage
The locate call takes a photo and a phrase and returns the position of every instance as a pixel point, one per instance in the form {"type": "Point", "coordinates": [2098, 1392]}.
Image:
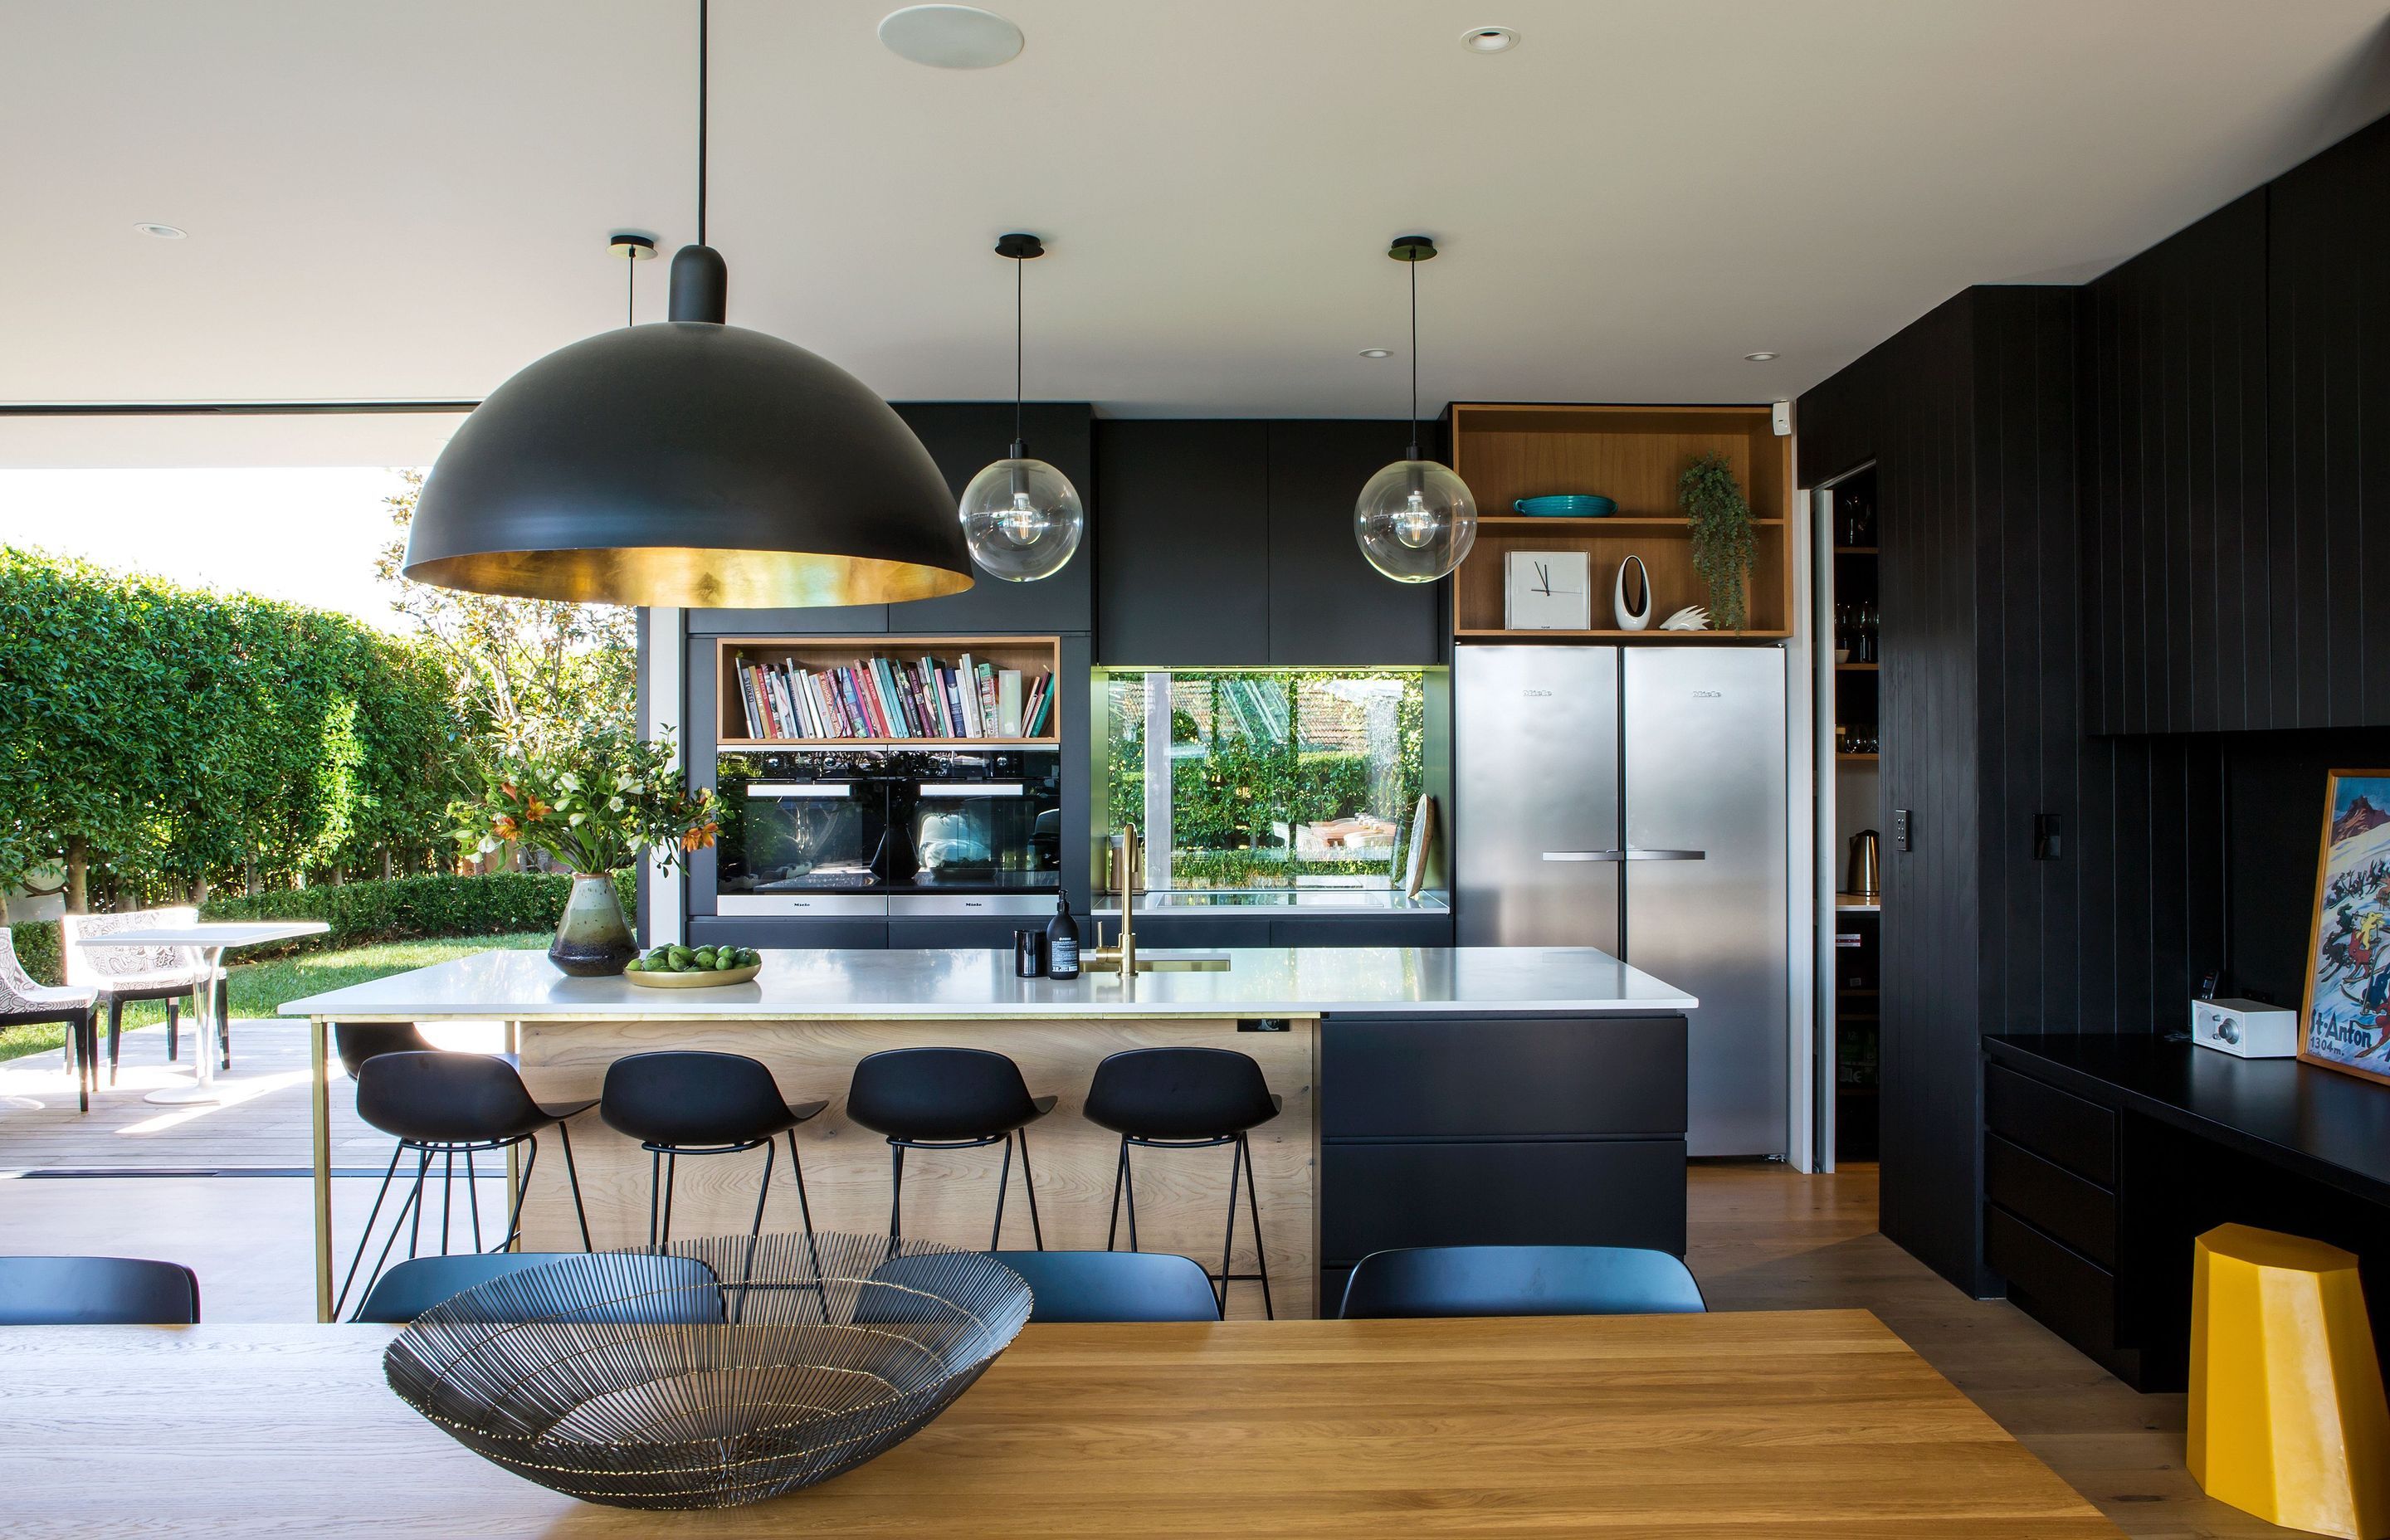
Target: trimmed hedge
{"type": "Point", "coordinates": [398, 908]}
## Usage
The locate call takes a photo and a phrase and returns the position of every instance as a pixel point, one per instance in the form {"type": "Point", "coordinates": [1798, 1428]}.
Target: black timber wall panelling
{"type": "Point", "coordinates": [2328, 320]}
{"type": "Point", "coordinates": [1972, 418]}
{"type": "Point", "coordinates": [2176, 570]}
{"type": "Point", "coordinates": [1933, 891]}
{"type": "Point", "coordinates": [2274, 786]}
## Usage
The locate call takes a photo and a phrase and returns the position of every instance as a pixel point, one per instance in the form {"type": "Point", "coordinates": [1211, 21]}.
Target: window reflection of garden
{"type": "Point", "coordinates": [1279, 777]}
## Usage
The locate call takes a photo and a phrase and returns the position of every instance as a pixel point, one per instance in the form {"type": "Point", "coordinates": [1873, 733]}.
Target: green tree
{"type": "Point", "coordinates": [524, 675]}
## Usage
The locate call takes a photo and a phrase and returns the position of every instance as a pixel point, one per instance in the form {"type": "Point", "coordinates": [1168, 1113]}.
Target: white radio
{"type": "Point", "coordinates": [2249, 1027]}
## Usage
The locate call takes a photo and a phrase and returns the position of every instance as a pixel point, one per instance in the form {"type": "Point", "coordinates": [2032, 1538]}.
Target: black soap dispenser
{"type": "Point", "coordinates": [1062, 940]}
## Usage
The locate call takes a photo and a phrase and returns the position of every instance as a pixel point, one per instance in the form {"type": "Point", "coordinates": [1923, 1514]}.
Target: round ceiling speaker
{"type": "Point", "coordinates": [950, 37]}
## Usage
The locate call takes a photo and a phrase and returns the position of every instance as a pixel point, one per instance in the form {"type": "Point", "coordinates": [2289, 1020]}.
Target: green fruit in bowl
{"type": "Point", "coordinates": [637, 965]}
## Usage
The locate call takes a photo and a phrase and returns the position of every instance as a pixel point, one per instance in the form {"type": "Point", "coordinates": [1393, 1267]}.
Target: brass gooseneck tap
{"type": "Point", "coordinates": [1126, 862]}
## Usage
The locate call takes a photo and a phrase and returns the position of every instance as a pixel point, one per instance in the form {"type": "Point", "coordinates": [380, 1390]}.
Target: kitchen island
{"type": "Point", "coordinates": [1432, 1096]}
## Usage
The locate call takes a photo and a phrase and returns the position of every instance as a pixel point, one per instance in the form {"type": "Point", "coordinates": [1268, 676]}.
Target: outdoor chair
{"type": "Point", "coordinates": [125, 973]}
{"type": "Point", "coordinates": [24, 1003]}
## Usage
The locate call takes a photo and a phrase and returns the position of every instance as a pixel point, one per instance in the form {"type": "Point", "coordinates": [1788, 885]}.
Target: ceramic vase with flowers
{"type": "Point", "coordinates": [595, 805]}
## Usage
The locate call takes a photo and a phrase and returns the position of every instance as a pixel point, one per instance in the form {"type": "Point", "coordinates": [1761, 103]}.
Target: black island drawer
{"type": "Point", "coordinates": [1587, 1192]}
{"type": "Point", "coordinates": [2054, 1124]}
{"type": "Point", "coordinates": [1502, 1077]}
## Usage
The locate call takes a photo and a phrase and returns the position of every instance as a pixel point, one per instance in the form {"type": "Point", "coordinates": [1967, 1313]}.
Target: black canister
{"type": "Point", "coordinates": [1029, 954]}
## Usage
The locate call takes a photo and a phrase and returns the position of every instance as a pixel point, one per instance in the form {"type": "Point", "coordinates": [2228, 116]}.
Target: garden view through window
{"type": "Point", "coordinates": [1276, 777]}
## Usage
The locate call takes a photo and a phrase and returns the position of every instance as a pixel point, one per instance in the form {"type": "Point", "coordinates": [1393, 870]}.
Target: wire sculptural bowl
{"type": "Point", "coordinates": [713, 1373]}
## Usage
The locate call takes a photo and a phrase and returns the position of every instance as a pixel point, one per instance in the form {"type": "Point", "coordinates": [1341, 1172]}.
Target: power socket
{"type": "Point", "coordinates": [1900, 828]}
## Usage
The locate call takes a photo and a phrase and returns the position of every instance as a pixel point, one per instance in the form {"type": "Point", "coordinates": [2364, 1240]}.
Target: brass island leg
{"type": "Point", "coordinates": [320, 1110]}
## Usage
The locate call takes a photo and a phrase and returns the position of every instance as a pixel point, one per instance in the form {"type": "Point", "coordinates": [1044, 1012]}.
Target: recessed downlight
{"type": "Point", "coordinates": [1757, 357]}
{"type": "Point", "coordinates": [1377, 352]}
{"type": "Point", "coordinates": [164, 231]}
{"type": "Point", "coordinates": [950, 37]}
{"type": "Point", "coordinates": [1489, 40]}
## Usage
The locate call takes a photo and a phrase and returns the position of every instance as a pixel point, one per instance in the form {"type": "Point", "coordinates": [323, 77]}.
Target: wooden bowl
{"type": "Point", "coordinates": [711, 978]}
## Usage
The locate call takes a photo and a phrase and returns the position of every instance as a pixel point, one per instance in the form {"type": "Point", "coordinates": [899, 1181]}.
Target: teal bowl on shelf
{"type": "Point", "coordinates": [1566, 506]}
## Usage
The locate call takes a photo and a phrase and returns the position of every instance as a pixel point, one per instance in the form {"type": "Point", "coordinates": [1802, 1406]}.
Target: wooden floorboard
{"type": "Point", "coordinates": [1763, 1237]}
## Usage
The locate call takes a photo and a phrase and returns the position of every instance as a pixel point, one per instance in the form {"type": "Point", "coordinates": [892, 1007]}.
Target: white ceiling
{"type": "Point", "coordinates": [410, 198]}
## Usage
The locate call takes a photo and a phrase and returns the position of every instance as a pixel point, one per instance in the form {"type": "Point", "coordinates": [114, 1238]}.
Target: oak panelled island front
{"type": "Point", "coordinates": [1444, 1095]}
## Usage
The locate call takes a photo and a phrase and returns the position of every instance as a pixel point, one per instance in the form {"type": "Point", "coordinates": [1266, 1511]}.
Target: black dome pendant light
{"type": "Point", "coordinates": [1021, 517]}
{"type": "Point", "coordinates": [1415, 520]}
{"type": "Point", "coordinates": [689, 463]}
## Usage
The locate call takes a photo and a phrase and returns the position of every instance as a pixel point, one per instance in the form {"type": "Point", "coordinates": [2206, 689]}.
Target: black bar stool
{"type": "Point", "coordinates": [447, 1105]}
{"type": "Point", "coordinates": [948, 1099]}
{"type": "Point", "coordinates": [1188, 1099]}
{"type": "Point", "coordinates": [684, 1102]}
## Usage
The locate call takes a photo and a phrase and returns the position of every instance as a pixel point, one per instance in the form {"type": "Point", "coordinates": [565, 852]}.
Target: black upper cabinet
{"type": "Point", "coordinates": [962, 437]}
{"type": "Point", "coordinates": [1182, 570]}
{"type": "Point", "coordinates": [2329, 319]}
{"type": "Point", "coordinates": [2176, 583]}
{"type": "Point", "coordinates": [1230, 542]}
{"type": "Point", "coordinates": [1326, 604]}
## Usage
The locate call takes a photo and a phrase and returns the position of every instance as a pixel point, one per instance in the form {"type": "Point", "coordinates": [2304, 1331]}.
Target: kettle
{"type": "Point", "coordinates": [1866, 876]}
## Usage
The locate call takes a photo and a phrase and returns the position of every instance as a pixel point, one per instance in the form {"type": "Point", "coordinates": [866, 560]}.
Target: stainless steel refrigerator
{"type": "Point", "coordinates": [1633, 798]}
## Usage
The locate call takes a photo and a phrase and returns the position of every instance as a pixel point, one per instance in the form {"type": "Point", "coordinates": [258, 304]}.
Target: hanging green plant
{"type": "Point", "coordinates": [1722, 537]}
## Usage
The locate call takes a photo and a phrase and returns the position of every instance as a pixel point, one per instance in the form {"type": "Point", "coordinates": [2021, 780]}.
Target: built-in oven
{"type": "Point", "coordinates": [833, 831]}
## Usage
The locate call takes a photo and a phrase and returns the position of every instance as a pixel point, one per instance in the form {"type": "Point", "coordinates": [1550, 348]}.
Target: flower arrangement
{"type": "Point", "coordinates": [595, 804]}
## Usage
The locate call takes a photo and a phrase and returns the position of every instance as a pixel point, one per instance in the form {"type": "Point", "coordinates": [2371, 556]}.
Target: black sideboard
{"type": "Point", "coordinates": [2106, 1156]}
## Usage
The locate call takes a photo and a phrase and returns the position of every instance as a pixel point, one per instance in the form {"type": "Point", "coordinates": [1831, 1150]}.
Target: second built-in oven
{"type": "Point", "coordinates": [859, 832]}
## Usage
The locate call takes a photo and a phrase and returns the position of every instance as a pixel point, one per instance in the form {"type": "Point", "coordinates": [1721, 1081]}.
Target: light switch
{"type": "Point", "coordinates": [1900, 828]}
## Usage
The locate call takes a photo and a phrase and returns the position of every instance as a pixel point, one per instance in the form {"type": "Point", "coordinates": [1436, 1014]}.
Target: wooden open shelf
{"type": "Point", "coordinates": [1857, 759]}
{"type": "Point", "coordinates": [1632, 454]}
{"type": "Point", "coordinates": [1031, 655]}
{"type": "Point", "coordinates": [1857, 668]}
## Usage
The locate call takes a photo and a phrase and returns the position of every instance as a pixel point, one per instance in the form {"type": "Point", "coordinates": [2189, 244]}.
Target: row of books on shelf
{"type": "Point", "coordinates": [889, 697]}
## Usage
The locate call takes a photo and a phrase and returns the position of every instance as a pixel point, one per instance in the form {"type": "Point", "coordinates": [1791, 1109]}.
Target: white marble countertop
{"type": "Point", "coordinates": [877, 985]}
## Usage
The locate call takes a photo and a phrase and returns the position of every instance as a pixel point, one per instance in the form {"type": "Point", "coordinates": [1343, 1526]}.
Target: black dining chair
{"type": "Point", "coordinates": [1188, 1099]}
{"type": "Point", "coordinates": [684, 1102]}
{"type": "Point", "coordinates": [1520, 1280]}
{"type": "Point", "coordinates": [96, 1291]}
{"type": "Point", "coordinates": [443, 1105]}
{"type": "Point", "coordinates": [948, 1099]}
{"type": "Point", "coordinates": [1113, 1286]}
{"type": "Point", "coordinates": [604, 1287]}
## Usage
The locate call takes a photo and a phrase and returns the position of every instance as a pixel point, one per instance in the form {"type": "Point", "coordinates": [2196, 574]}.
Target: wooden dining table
{"type": "Point", "coordinates": [1810, 1423]}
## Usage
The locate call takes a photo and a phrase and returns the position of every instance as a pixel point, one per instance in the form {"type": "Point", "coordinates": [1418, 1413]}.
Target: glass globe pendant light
{"type": "Point", "coordinates": [1021, 516]}
{"type": "Point", "coordinates": [1415, 520]}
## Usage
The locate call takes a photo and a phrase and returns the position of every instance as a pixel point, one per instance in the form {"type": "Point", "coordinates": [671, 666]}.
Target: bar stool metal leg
{"type": "Point", "coordinates": [1029, 1180]}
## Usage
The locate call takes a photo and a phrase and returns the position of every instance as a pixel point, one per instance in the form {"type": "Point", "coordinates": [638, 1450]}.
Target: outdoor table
{"type": "Point", "coordinates": [213, 939]}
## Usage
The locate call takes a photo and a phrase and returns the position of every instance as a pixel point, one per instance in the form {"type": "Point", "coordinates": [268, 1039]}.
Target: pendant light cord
{"type": "Point", "coordinates": [1413, 265]}
{"type": "Point", "coordinates": [1018, 442]}
{"type": "Point", "coordinates": [630, 286]}
{"type": "Point", "coordinates": [703, 105]}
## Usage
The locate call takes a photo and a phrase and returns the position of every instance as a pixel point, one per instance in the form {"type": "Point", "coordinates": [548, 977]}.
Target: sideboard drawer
{"type": "Point", "coordinates": [2054, 1124]}
{"type": "Point", "coordinates": [2072, 1295]}
{"type": "Point", "coordinates": [2053, 1199]}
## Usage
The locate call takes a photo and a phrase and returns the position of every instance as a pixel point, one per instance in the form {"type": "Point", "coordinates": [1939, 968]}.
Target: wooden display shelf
{"type": "Point", "coordinates": [1634, 454]}
{"type": "Point", "coordinates": [1031, 655]}
{"type": "Point", "coordinates": [1857, 668]}
{"type": "Point", "coordinates": [1859, 759]}
{"type": "Point", "coordinates": [1855, 550]}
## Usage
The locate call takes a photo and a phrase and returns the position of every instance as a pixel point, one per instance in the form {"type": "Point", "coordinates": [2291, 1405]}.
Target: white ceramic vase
{"type": "Point", "coordinates": [1629, 617]}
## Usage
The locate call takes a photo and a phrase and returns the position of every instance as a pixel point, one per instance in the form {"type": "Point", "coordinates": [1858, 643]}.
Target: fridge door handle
{"type": "Point", "coordinates": [1585, 855]}
{"type": "Point", "coordinates": [1640, 853]}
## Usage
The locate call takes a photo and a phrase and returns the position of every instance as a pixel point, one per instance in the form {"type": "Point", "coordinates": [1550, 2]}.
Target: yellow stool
{"type": "Point", "coordinates": [2287, 1416]}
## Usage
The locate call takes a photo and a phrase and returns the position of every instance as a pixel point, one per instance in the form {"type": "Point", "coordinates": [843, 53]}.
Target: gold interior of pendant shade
{"type": "Point", "coordinates": [692, 577]}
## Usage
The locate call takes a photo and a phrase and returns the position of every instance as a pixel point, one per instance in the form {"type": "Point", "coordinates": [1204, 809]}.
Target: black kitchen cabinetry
{"type": "Point", "coordinates": [1182, 570]}
{"type": "Point", "coordinates": [1499, 1131]}
{"type": "Point", "coordinates": [1327, 606]}
{"type": "Point", "coordinates": [1229, 543]}
{"type": "Point", "coordinates": [788, 931]}
{"type": "Point", "coordinates": [963, 436]}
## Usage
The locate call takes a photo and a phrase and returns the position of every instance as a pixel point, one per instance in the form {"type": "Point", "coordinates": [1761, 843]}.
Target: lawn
{"type": "Point", "coordinates": [259, 989]}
